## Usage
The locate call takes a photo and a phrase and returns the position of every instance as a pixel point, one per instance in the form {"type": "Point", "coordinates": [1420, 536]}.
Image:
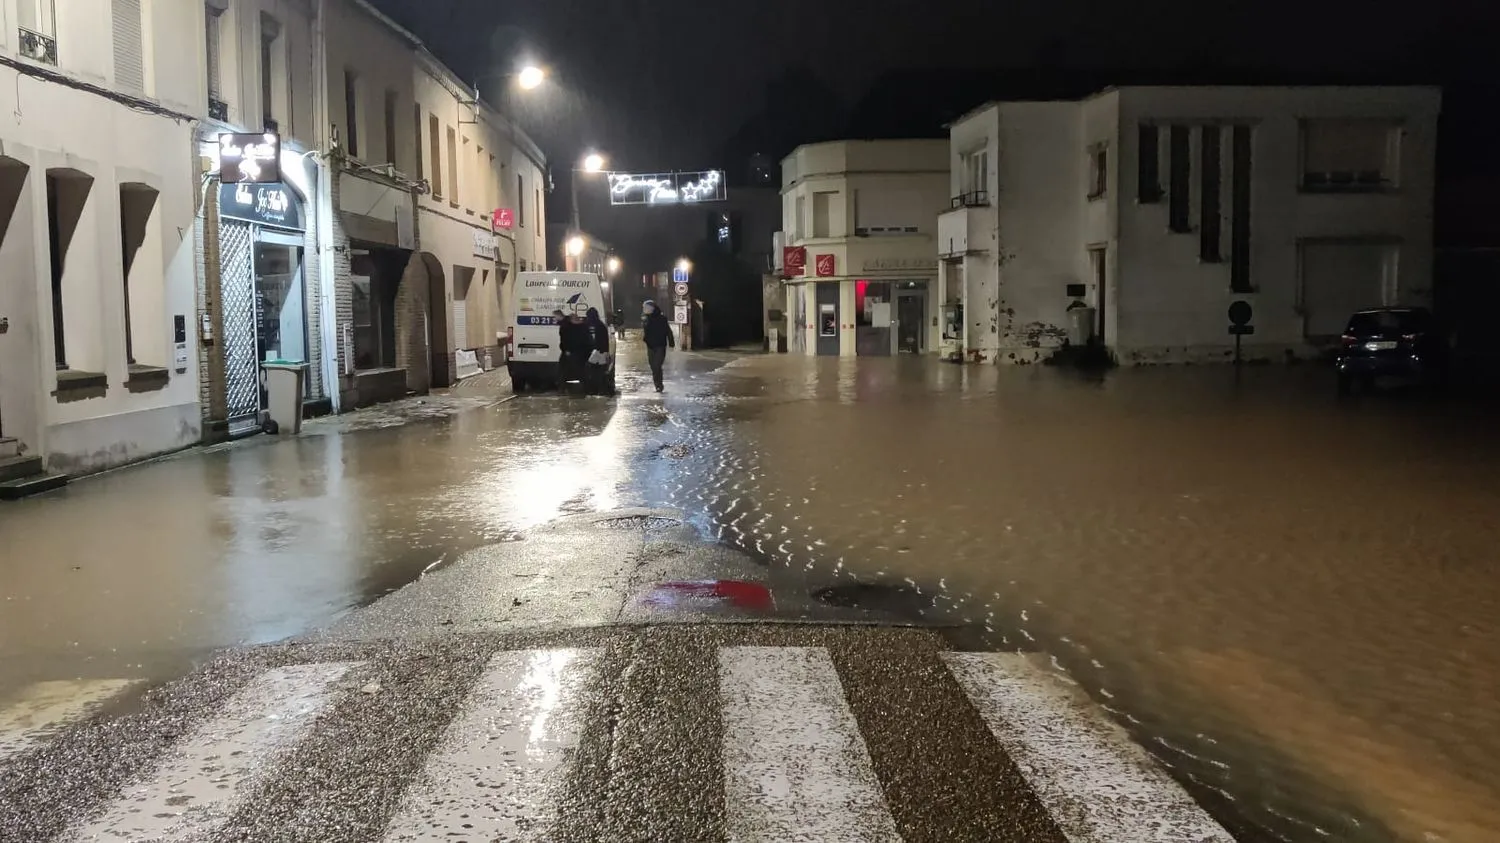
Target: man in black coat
{"type": "Point", "coordinates": [658, 339]}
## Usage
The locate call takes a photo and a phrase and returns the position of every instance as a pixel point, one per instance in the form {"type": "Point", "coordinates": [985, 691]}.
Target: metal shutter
{"type": "Point", "coordinates": [130, 70]}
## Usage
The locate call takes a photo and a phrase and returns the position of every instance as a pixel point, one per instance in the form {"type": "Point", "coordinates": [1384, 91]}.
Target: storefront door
{"type": "Point", "coordinates": [911, 321]}
{"type": "Point", "coordinates": [281, 299]}
{"type": "Point", "coordinates": [237, 296]}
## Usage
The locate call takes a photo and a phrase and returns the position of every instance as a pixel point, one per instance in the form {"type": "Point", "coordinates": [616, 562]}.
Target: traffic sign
{"type": "Point", "coordinates": [682, 290]}
{"type": "Point", "coordinates": [680, 314]}
{"type": "Point", "coordinates": [679, 274]}
{"type": "Point", "coordinates": [1240, 313]}
{"type": "Point", "coordinates": [1241, 330]}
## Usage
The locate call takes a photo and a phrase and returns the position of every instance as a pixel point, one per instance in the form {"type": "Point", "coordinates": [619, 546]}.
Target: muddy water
{"type": "Point", "coordinates": [1292, 601]}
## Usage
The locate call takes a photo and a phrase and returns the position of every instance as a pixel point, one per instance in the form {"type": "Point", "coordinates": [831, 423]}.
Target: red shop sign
{"type": "Point", "coordinates": [794, 260]}
{"type": "Point", "coordinates": [825, 266]}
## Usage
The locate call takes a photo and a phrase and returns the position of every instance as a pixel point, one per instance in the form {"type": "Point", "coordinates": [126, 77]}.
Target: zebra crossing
{"type": "Point", "coordinates": [725, 734]}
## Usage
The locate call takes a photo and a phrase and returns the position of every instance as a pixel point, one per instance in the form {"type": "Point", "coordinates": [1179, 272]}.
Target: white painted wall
{"type": "Point", "coordinates": [55, 126]}
{"type": "Point", "coordinates": [1163, 303]}
{"type": "Point", "coordinates": [888, 175]}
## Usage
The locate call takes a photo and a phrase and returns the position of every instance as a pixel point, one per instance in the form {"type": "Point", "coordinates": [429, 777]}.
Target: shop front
{"type": "Point", "coordinates": [263, 292]}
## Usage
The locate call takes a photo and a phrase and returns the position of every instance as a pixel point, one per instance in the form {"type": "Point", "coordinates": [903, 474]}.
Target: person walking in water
{"type": "Point", "coordinates": [658, 338]}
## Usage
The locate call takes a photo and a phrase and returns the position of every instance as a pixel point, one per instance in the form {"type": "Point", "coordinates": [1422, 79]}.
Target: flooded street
{"type": "Point", "coordinates": [1289, 599]}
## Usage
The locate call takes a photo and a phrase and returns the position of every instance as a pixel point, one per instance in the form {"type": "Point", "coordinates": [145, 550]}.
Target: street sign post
{"type": "Point", "coordinates": [1240, 313]}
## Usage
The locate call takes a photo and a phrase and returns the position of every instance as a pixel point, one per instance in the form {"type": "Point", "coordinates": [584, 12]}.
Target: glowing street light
{"type": "Point", "coordinates": [576, 245]}
{"type": "Point", "coordinates": [612, 266]}
{"type": "Point", "coordinates": [593, 162]}
{"type": "Point", "coordinates": [685, 265]}
{"type": "Point", "coordinates": [530, 77]}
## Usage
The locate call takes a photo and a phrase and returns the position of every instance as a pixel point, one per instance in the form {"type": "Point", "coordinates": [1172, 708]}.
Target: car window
{"type": "Point", "coordinates": [1396, 321]}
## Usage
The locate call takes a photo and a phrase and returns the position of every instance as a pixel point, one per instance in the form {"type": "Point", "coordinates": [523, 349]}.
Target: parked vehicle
{"type": "Point", "coordinates": [1404, 343]}
{"type": "Point", "coordinates": [536, 298]}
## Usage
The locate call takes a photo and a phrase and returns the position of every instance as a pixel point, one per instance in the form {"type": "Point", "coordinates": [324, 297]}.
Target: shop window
{"type": "Point", "coordinates": [67, 197]}
{"type": "Point", "coordinates": [145, 304]}
{"type": "Point", "coordinates": [282, 299]}
{"type": "Point", "coordinates": [375, 279]}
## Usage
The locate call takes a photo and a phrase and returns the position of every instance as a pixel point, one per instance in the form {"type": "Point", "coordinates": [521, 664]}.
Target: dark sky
{"type": "Point", "coordinates": [660, 84]}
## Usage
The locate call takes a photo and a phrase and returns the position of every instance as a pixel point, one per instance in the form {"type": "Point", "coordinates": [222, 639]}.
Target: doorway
{"type": "Point", "coordinates": [910, 336]}
{"type": "Point", "coordinates": [873, 334]}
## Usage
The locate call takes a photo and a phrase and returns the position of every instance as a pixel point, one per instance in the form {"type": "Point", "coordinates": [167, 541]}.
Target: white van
{"type": "Point", "coordinates": [534, 299]}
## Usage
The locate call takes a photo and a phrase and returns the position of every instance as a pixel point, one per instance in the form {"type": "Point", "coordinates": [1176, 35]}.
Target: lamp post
{"type": "Point", "coordinates": [592, 163]}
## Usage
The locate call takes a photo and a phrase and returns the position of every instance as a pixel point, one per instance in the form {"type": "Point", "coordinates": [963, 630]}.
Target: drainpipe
{"type": "Point", "coordinates": [327, 283]}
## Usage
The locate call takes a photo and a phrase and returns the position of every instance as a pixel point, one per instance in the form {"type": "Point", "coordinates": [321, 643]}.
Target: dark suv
{"type": "Point", "coordinates": [1397, 342]}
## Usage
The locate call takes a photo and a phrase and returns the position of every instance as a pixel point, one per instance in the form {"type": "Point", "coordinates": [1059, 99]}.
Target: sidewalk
{"type": "Point", "coordinates": [481, 390]}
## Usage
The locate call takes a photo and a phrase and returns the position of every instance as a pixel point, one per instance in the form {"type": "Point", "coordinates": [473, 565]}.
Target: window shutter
{"type": "Point", "coordinates": [130, 71]}
{"type": "Point", "coordinates": [460, 323]}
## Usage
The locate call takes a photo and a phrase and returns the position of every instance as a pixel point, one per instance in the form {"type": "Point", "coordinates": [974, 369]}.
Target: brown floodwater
{"type": "Point", "coordinates": [1291, 599]}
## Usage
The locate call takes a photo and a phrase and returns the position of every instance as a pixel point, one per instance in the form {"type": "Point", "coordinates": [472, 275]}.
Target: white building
{"type": "Point", "coordinates": [861, 216]}
{"type": "Point", "coordinates": [1159, 207]}
{"type": "Point", "coordinates": [97, 198]}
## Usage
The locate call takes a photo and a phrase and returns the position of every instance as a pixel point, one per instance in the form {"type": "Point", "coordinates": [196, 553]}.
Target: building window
{"type": "Point", "coordinates": [1148, 165]}
{"type": "Point", "coordinates": [520, 200]}
{"type": "Point", "coordinates": [468, 178]}
{"type": "Point", "coordinates": [452, 167]}
{"type": "Point", "coordinates": [1098, 171]}
{"type": "Point", "coordinates": [1210, 223]}
{"type": "Point", "coordinates": [38, 35]}
{"type": "Point", "coordinates": [801, 216]}
{"type": "Point", "coordinates": [213, 16]}
{"type": "Point", "coordinates": [272, 67]}
{"type": "Point", "coordinates": [1099, 276]}
{"type": "Point", "coordinates": [128, 34]}
{"type": "Point", "coordinates": [1179, 179]}
{"type": "Point", "coordinates": [417, 140]}
{"type": "Point", "coordinates": [436, 144]}
{"type": "Point", "coordinates": [1349, 156]}
{"type": "Point", "coordinates": [351, 112]}
{"type": "Point", "coordinates": [67, 196]}
{"type": "Point", "coordinates": [976, 178]}
{"type": "Point", "coordinates": [390, 127]}
{"type": "Point", "coordinates": [823, 202]}
{"type": "Point", "coordinates": [137, 202]}
{"type": "Point", "coordinates": [1239, 210]}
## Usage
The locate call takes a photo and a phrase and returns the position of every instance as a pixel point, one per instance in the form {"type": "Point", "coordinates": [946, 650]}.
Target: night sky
{"type": "Point", "coordinates": [662, 84]}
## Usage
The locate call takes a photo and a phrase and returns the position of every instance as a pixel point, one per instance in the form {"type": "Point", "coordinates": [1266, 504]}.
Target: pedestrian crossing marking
{"type": "Point", "coordinates": [1098, 785]}
{"type": "Point", "coordinates": [789, 756]}
{"type": "Point", "coordinates": [194, 789]}
{"type": "Point", "coordinates": [795, 764]}
{"type": "Point", "coordinates": [49, 706]}
{"type": "Point", "coordinates": [496, 772]}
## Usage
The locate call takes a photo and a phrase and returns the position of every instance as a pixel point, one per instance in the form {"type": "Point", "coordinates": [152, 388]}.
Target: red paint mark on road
{"type": "Point", "coordinates": [701, 594]}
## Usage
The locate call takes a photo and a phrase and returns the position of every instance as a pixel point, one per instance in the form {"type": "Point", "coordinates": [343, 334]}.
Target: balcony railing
{"type": "Point", "coordinates": [38, 47]}
{"type": "Point", "coordinates": [972, 199]}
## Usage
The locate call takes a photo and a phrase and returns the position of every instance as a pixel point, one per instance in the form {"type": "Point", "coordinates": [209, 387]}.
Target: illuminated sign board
{"type": "Point", "coordinates": [667, 188]}
{"type": "Point", "coordinates": [503, 219]}
{"type": "Point", "coordinates": [250, 159]}
{"type": "Point", "coordinates": [267, 204]}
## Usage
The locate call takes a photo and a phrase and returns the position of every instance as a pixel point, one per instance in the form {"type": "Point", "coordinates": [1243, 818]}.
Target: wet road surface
{"type": "Point", "coordinates": [1289, 600]}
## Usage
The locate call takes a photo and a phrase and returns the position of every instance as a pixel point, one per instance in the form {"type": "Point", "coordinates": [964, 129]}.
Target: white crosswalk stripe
{"type": "Point", "coordinates": [195, 788]}
{"type": "Point", "coordinates": [497, 770]}
{"type": "Point", "coordinates": [45, 707]}
{"type": "Point", "coordinates": [1098, 785]}
{"type": "Point", "coordinates": [795, 766]}
{"type": "Point", "coordinates": [788, 751]}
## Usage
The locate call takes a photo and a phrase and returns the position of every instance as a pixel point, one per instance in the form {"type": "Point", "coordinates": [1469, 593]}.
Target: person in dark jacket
{"type": "Point", "coordinates": [598, 342]}
{"type": "Point", "coordinates": [658, 338]}
{"type": "Point", "coordinates": [573, 338]}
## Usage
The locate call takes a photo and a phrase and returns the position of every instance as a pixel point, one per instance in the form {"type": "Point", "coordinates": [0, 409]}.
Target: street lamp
{"type": "Point", "coordinates": [575, 246]}
{"type": "Point", "coordinates": [593, 162]}
{"type": "Point", "coordinates": [684, 265]}
{"type": "Point", "coordinates": [530, 77]}
{"type": "Point", "coordinates": [612, 266]}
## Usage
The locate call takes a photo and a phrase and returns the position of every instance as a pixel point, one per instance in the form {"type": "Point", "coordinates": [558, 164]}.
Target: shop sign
{"type": "Point", "coordinates": [249, 159]}
{"type": "Point", "coordinates": [825, 266]}
{"type": "Point", "coordinates": [503, 219]}
{"type": "Point", "coordinates": [267, 204]}
{"type": "Point", "coordinates": [900, 264]}
{"type": "Point", "coordinates": [794, 260]}
{"type": "Point", "coordinates": [484, 245]}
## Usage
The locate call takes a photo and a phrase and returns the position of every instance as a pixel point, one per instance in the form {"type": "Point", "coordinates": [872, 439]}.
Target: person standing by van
{"type": "Point", "coordinates": [658, 338]}
{"type": "Point", "coordinates": [574, 341]}
{"type": "Point", "coordinates": [598, 366]}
